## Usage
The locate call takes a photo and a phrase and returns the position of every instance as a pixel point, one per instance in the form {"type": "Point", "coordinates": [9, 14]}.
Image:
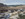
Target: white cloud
{"type": "Point", "coordinates": [14, 3]}
{"type": "Point", "coordinates": [11, 3]}
{"type": "Point", "coordinates": [2, 1]}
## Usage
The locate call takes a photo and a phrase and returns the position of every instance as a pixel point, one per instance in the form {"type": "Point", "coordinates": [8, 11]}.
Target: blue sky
{"type": "Point", "coordinates": [12, 2]}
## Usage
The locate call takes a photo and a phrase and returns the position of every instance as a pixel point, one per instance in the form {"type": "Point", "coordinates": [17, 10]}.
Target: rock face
{"type": "Point", "coordinates": [1, 4]}
{"type": "Point", "coordinates": [3, 8]}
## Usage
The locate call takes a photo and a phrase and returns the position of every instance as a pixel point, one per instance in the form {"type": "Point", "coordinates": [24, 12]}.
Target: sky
{"type": "Point", "coordinates": [12, 2]}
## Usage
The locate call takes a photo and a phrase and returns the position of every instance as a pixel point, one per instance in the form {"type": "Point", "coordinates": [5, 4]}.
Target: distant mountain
{"type": "Point", "coordinates": [2, 5]}
{"type": "Point", "coordinates": [13, 5]}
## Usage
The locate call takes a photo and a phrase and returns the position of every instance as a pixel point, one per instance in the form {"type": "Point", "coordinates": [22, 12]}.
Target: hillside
{"type": "Point", "coordinates": [7, 7]}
